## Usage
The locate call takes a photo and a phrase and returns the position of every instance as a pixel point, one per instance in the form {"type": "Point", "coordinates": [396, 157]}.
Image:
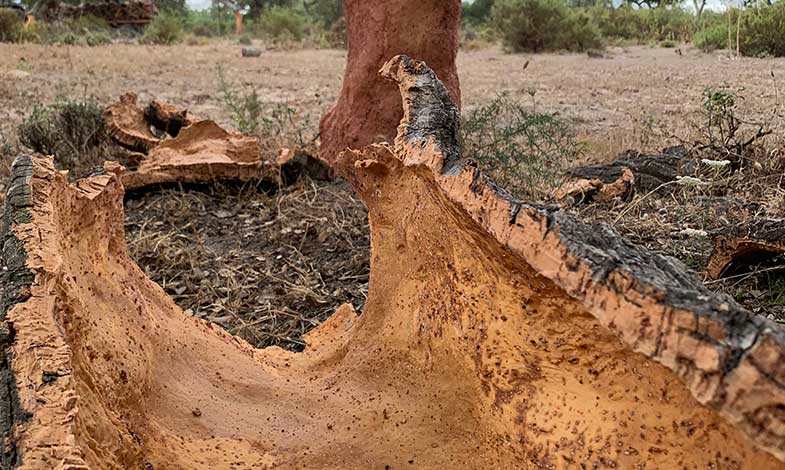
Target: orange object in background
{"type": "Point", "coordinates": [238, 23]}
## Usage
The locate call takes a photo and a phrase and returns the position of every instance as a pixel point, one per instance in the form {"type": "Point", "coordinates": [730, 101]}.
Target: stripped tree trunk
{"type": "Point", "coordinates": [369, 109]}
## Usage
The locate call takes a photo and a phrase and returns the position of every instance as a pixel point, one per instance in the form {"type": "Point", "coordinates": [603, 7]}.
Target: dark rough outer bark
{"type": "Point", "coordinates": [369, 108]}
{"type": "Point", "coordinates": [650, 170]}
{"type": "Point", "coordinates": [749, 242]}
{"type": "Point", "coordinates": [15, 280]}
{"type": "Point", "coordinates": [665, 305]}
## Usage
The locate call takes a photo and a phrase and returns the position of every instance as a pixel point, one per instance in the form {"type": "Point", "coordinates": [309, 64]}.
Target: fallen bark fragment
{"type": "Point", "coordinates": [586, 190]}
{"type": "Point", "coordinates": [201, 152]}
{"type": "Point", "coordinates": [168, 117]}
{"type": "Point", "coordinates": [496, 334]}
{"type": "Point", "coordinates": [650, 170]}
{"type": "Point", "coordinates": [128, 125]}
{"type": "Point", "coordinates": [296, 163]}
{"type": "Point", "coordinates": [748, 243]}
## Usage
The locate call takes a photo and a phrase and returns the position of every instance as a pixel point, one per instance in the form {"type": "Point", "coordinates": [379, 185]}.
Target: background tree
{"type": "Point", "coordinates": [176, 6]}
{"type": "Point", "coordinates": [699, 5]}
{"type": "Point", "coordinates": [257, 7]}
{"type": "Point", "coordinates": [652, 4]}
{"type": "Point", "coordinates": [327, 12]}
{"type": "Point", "coordinates": [476, 12]}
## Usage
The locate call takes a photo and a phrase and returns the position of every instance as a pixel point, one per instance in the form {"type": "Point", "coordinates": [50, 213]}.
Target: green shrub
{"type": "Point", "coordinates": [642, 25]}
{"type": "Point", "coordinates": [542, 25]}
{"type": "Point", "coordinates": [245, 40]}
{"type": "Point", "coordinates": [525, 152]}
{"type": "Point", "coordinates": [87, 24]}
{"type": "Point", "coordinates": [711, 38]}
{"type": "Point", "coordinates": [98, 38]}
{"type": "Point", "coordinates": [245, 107]}
{"type": "Point", "coordinates": [326, 12]}
{"type": "Point", "coordinates": [668, 23]}
{"type": "Point", "coordinates": [477, 12]}
{"type": "Point", "coordinates": [11, 25]}
{"type": "Point", "coordinates": [73, 131]}
{"type": "Point", "coordinates": [211, 23]}
{"type": "Point", "coordinates": [282, 23]}
{"type": "Point", "coordinates": [69, 38]}
{"type": "Point", "coordinates": [763, 30]}
{"type": "Point", "coordinates": [166, 28]}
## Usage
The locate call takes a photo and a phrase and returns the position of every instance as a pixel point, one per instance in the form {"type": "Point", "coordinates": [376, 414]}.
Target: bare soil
{"type": "Point", "coordinates": [614, 103]}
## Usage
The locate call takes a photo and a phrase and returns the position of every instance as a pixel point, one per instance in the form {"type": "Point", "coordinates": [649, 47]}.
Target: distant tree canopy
{"type": "Point", "coordinates": [653, 3]}
{"type": "Point", "coordinates": [254, 7]}
{"type": "Point", "coordinates": [325, 11]}
{"type": "Point", "coordinates": [477, 11]}
{"type": "Point", "coordinates": [171, 5]}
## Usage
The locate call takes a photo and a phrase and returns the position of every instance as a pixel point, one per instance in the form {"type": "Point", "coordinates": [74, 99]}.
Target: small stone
{"type": "Point", "coordinates": [251, 52]}
{"type": "Point", "coordinates": [17, 74]}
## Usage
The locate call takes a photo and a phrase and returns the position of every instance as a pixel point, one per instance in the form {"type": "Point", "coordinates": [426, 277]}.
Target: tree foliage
{"type": "Point", "coordinates": [476, 12]}
{"type": "Point", "coordinates": [327, 12]}
{"type": "Point", "coordinates": [544, 25]}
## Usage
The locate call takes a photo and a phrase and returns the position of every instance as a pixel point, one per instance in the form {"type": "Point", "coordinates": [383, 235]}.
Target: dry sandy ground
{"type": "Point", "coordinates": [611, 101]}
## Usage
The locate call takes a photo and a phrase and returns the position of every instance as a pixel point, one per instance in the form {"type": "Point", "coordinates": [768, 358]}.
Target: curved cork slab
{"type": "Point", "coordinates": [128, 125]}
{"type": "Point", "coordinates": [201, 152]}
{"type": "Point", "coordinates": [496, 334]}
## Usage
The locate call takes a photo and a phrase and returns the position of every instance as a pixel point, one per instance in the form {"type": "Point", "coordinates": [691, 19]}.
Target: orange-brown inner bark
{"type": "Point", "coordinates": [464, 357]}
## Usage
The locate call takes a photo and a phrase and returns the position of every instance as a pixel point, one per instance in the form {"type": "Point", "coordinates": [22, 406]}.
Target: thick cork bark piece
{"type": "Point", "coordinates": [496, 334]}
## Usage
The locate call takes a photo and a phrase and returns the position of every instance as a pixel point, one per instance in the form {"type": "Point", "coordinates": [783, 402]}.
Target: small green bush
{"type": "Point", "coordinates": [69, 38]}
{"type": "Point", "coordinates": [642, 25]}
{"type": "Point", "coordinates": [11, 25]}
{"type": "Point", "coordinates": [763, 30]}
{"type": "Point", "coordinates": [326, 12]}
{"type": "Point", "coordinates": [525, 152]}
{"type": "Point", "coordinates": [543, 25]}
{"type": "Point", "coordinates": [245, 107]}
{"type": "Point", "coordinates": [476, 12]}
{"type": "Point", "coordinates": [73, 131]}
{"type": "Point", "coordinates": [98, 38]}
{"type": "Point", "coordinates": [711, 38]}
{"type": "Point", "coordinates": [668, 23]}
{"type": "Point", "coordinates": [211, 23]}
{"type": "Point", "coordinates": [282, 23]}
{"type": "Point", "coordinates": [166, 28]}
{"type": "Point", "coordinates": [245, 40]}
